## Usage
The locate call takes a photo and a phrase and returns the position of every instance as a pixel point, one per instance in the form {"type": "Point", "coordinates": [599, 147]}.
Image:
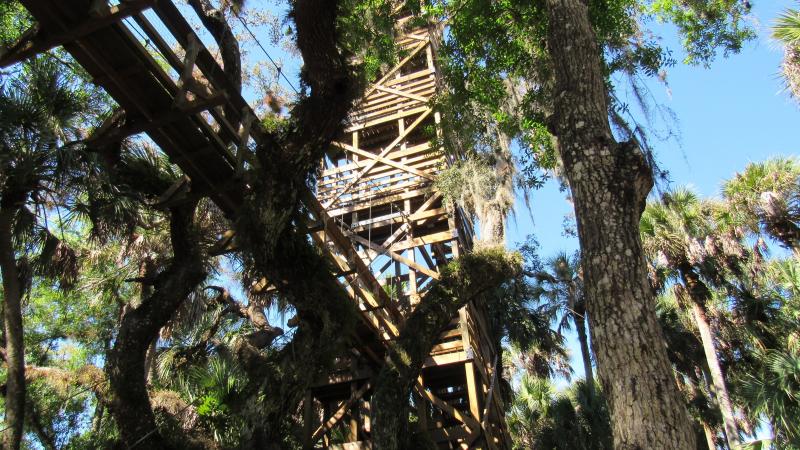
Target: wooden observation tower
{"type": "Point", "coordinates": [376, 186]}
{"type": "Point", "coordinates": [376, 216]}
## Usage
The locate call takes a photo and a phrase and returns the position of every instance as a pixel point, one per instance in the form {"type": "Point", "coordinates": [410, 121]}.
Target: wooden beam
{"type": "Point", "coordinates": [486, 410]}
{"type": "Point", "coordinates": [462, 417]}
{"type": "Point", "coordinates": [395, 256]}
{"type": "Point", "coordinates": [441, 236]}
{"type": "Point", "coordinates": [34, 42]}
{"type": "Point", "coordinates": [379, 158]}
{"type": "Point", "coordinates": [143, 126]}
{"type": "Point", "coordinates": [403, 94]}
{"type": "Point", "coordinates": [383, 153]}
{"type": "Point", "coordinates": [472, 390]}
{"type": "Point", "coordinates": [308, 416]}
{"type": "Point", "coordinates": [336, 416]}
{"type": "Point", "coordinates": [394, 69]}
{"type": "Point", "coordinates": [346, 247]}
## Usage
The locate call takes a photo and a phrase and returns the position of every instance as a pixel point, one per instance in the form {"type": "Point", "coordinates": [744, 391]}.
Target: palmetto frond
{"type": "Point", "coordinates": [787, 27]}
{"type": "Point", "coordinates": [765, 198]}
{"type": "Point", "coordinates": [776, 393]}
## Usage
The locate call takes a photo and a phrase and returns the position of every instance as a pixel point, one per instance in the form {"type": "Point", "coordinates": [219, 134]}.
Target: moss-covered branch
{"type": "Point", "coordinates": [125, 364]}
{"type": "Point", "coordinates": [475, 276]}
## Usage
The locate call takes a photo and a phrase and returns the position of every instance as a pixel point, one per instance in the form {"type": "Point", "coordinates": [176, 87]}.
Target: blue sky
{"type": "Point", "coordinates": [728, 115]}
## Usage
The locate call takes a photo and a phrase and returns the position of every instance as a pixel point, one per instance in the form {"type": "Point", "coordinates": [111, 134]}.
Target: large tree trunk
{"type": "Point", "coordinates": [475, 274]}
{"type": "Point", "coordinates": [610, 183]}
{"type": "Point", "coordinates": [125, 364]}
{"type": "Point", "coordinates": [580, 325]}
{"type": "Point", "coordinates": [12, 316]}
{"type": "Point", "coordinates": [268, 227]}
{"type": "Point", "coordinates": [699, 295]}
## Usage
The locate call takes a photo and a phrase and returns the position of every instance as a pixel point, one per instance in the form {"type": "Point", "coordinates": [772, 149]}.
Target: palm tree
{"type": "Point", "coordinates": [42, 110]}
{"type": "Point", "coordinates": [542, 418]}
{"type": "Point", "coordinates": [560, 284]}
{"type": "Point", "coordinates": [787, 31]}
{"type": "Point", "coordinates": [685, 352]}
{"type": "Point", "coordinates": [675, 233]}
{"type": "Point", "coordinates": [773, 388]}
{"type": "Point", "coordinates": [765, 198]}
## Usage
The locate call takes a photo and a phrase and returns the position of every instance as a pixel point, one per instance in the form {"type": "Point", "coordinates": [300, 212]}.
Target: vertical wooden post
{"type": "Point", "coordinates": [326, 437]}
{"type": "Point", "coordinates": [365, 416]}
{"type": "Point", "coordinates": [422, 407]}
{"type": "Point", "coordinates": [308, 418]}
{"type": "Point", "coordinates": [353, 415]}
{"type": "Point", "coordinates": [469, 366]}
{"type": "Point", "coordinates": [472, 390]}
{"type": "Point", "coordinates": [355, 144]}
{"type": "Point", "coordinates": [410, 254]}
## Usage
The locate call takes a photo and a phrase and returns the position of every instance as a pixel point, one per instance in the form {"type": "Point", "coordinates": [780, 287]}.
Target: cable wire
{"type": "Point", "coordinates": [277, 67]}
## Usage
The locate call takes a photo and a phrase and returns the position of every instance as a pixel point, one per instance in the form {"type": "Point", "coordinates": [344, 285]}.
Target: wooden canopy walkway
{"type": "Point", "coordinates": [374, 213]}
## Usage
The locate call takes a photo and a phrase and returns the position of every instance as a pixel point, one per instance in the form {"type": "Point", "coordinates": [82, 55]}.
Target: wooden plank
{"type": "Point", "coordinates": [442, 236]}
{"type": "Point", "coordinates": [142, 126]}
{"type": "Point", "coordinates": [396, 256]}
{"type": "Point", "coordinates": [382, 159]}
{"type": "Point", "coordinates": [35, 41]}
{"type": "Point", "coordinates": [360, 164]}
{"type": "Point", "coordinates": [382, 154]}
{"type": "Point", "coordinates": [445, 359]}
{"type": "Point", "coordinates": [447, 347]}
{"type": "Point", "coordinates": [397, 67]}
{"type": "Point", "coordinates": [417, 219]}
{"type": "Point", "coordinates": [400, 115]}
{"type": "Point", "coordinates": [462, 417]}
{"type": "Point", "coordinates": [472, 391]}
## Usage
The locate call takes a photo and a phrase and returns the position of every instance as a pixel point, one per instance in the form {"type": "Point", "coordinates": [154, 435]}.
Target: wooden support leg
{"type": "Point", "coordinates": [353, 415]}
{"type": "Point", "coordinates": [422, 408]}
{"type": "Point", "coordinates": [308, 420]}
{"type": "Point", "coordinates": [472, 391]}
{"type": "Point", "coordinates": [326, 437]}
{"type": "Point", "coordinates": [365, 416]}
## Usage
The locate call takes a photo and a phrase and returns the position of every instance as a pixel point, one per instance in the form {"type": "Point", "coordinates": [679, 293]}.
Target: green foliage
{"type": "Point", "coordinates": [366, 31]}
{"type": "Point", "coordinates": [775, 392]}
{"type": "Point", "coordinates": [541, 418]}
{"type": "Point", "coordinates": [751, 300]}
{"type": "Point", "coordinates": [14, 20]}
{"type": "Point", "coordinates": [498, 68]}
{"type": "Point", "coordinates": [764, 199]}
{"type": "Point", "coordinates": [706, 26]}
{"type": "Point", "coordinates": [787, 27]}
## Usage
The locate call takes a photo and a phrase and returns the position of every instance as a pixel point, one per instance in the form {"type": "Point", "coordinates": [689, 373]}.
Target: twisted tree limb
{"type": "Point", "coordinates": [125, 364]}
{"type": "Point", "coordinates": [471, 277]}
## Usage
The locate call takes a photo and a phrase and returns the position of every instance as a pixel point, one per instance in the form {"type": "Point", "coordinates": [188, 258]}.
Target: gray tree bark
{"type": "Point", "coordinates": [610, 182]}
{"type": "Point", "coordinates": [12, 317]}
